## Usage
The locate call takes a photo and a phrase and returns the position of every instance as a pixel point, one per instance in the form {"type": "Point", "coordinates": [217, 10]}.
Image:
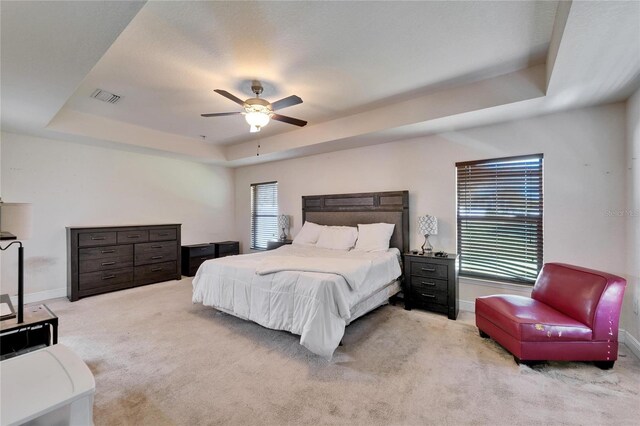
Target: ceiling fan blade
{"type": "Point", "coordinates": [289, 120]}
{"type": "Point", "coordinates": [229, 96]}
{"type": "Point", "coordinates": [286, 102]}
{"type": "Point", "coordinates": [220, 114]}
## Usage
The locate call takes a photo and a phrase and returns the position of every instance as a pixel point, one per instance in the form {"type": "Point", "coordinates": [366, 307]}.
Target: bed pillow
{"type": "Point", "coordinates": [374, 236]}
{"type": "Point", "coordinates": [308, 235]}
{"type": "Point", "coordinates": [337, 237]}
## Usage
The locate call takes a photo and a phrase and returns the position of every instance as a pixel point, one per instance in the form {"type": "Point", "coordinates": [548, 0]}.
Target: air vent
{"type": "Point", "coordinates": [104, 96]}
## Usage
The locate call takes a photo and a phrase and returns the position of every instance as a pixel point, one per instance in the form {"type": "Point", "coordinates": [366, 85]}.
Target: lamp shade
{"type": "Point", "coordinates": [15, 218]}
{"type": "Point", "coordinates": [283, 220]}
{"type": "Point", "coordinates": [428, 225]}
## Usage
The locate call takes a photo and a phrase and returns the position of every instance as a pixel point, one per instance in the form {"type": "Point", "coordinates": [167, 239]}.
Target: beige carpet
{"type": "Point", "coordinates": [159, 360]}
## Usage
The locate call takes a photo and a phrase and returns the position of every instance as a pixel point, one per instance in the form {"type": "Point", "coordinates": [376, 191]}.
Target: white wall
{"type": "Point", "coordinates": [632, 215]}
{"type": "Point", "coordinates": [584, 179]}
{"type": "Point", "coordinates": [72, 184]}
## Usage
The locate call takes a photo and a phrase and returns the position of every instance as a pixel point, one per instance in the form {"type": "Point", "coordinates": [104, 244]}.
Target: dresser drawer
{"type": "Point", "coordinates": [163, 234]}
{"type": "Point", "coordinates": [105, 252]}
{"type": "Point", "coordinates": [143, 257]}
{"type": "Point", "coordinates": [125, 237]}
{"type": "Point", "coordinates": [429, 284]}
{"type": "Point", "coordinates": [427, 269]}
{"type": "Point", "coordinates": [155, 272]}
{"type": "Point", "coordinates": [105, 264]}
{"type": "Point", "coordinates": [93, 280]}
{"type": "Point", "coordinates": [87, 239]}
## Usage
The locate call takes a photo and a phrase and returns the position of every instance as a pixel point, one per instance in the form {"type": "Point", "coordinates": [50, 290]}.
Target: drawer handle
{"type": "Point", "coordinates": [156, 269]}
{"type": "Point", "coordinates": [204, 258]}
{"type": "Point", "coordinates": [157, 246]}
{"type": "Point", "coordinates": [133, 236]}
{"type": "Point", "coordinates": [164, 234]}
{"type": "Point", "coordinates": [108, 263]}
{"type": "Point", "coordinates": [156, 257]}
{"type": "Point", "coordinates": [108, 277]}
{"type": "Point", "coordinates": [429, 283]}
{"type": "Point", "coordinates": [107, 251]}
{"type": "Point", "coordinates": [430, 296]}
{"type": "Point", "coordinates": [98, 238]}
{"type": "Point", "coordinates": [429, 270]}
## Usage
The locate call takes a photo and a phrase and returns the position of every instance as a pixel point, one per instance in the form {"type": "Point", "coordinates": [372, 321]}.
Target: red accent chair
{"type": "Point", "coordinates": [572, 315]}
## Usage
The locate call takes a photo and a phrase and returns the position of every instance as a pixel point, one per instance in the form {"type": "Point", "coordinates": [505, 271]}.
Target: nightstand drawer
{"type": "Point", "coordinates": [195, 263]}
{"type": "Point", "coordinates": [426, 269]}
{"type": "Point", "coordinates": [429, 296]}
{"type": "Point", "coordinates": [429, 284]}
{"type": "Point", "coordinates": [227, 248]}
{"type": "Point", "coordinates": [198, 250]}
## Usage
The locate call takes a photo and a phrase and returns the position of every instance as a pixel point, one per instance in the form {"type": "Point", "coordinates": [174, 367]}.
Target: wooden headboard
{"type": "Point", "coordinates": [368, 207]}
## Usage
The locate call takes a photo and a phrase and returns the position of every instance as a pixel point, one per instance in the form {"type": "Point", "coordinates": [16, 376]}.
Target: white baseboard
{"type": "Point", "coordinates": [466, 305]}
{"type": "Point", "coordinates": [41, 296]}
{"type": "Point", "coordinates": [630, 342]}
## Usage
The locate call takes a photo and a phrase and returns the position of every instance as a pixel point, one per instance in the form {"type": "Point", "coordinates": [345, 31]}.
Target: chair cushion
{"type": "Point", "coordinates": [529, 320]}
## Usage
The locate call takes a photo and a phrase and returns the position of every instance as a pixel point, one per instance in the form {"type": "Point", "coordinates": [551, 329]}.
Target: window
{"type": "Point", "coordinates": [264, 213]}
{"type": "Point", "coordinates": [500, 218]}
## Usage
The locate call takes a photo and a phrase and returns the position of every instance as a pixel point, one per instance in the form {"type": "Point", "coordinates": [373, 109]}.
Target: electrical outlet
{"type": "Point", "coordinates": [635, 306]}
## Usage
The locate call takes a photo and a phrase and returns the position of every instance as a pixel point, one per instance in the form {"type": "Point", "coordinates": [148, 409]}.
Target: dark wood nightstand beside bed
{"type": "Point", "coordinates": [431, 283]}
{"type": "Point", "coordinates": [274, 244]}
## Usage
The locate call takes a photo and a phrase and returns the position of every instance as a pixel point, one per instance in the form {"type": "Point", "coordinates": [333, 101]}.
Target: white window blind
{"type": "Point", "coordinates": [499, 213]}
{"type": "Point", "coordinates": [264, 214]}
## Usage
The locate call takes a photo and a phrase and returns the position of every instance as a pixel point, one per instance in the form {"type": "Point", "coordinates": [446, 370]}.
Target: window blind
{"type": "Point", "coordinates": [264, 213]}
{"type": "Point", "coordinates": [500, 206]}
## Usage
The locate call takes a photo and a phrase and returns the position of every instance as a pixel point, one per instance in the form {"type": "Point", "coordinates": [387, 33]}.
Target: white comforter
{"type": "Point", "coordinates": [316, 305]}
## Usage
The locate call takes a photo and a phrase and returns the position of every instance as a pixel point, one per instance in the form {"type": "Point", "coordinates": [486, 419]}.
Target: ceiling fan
{"type": "Point", "coordinates": [257, 111]}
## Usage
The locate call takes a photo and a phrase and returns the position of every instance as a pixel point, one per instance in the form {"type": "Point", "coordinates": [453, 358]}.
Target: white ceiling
{"type": "Point", "coordinates": [367, 71]}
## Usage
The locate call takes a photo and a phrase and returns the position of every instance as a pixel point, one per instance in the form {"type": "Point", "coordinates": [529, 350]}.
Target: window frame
{"type": "Point", "coordinates": [520, 213]}
{"type": "Point", "coordinates": [255, 234]}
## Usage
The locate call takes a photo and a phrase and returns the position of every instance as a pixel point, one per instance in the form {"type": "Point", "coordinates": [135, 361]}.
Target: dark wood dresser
{"type": "Point", "coordinates": [108, 258]}
{"type": "Point", "coordinates": [431, 283]}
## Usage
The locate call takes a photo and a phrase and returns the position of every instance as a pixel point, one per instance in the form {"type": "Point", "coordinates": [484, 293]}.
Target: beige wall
{"type": "Point", "coordinates": [631, 319]}
{"type": "Point", "coordinates": [73, 184]}
{"type": "Point", "coordinates": [584, 180]}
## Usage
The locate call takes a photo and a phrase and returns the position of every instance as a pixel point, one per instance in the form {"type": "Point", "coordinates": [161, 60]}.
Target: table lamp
{"type": "Point", "coordinates": [283, 220]}
{"type": "Point", "coordinates": [428, 225]}
{"type": "Point", "coordinates": [15, 224]}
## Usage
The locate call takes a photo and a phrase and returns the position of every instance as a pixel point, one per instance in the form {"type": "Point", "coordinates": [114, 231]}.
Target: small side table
{"type": "Point", "coordinates": [39, 328]}
{"type": "Point", "coordinates": [274, 244]}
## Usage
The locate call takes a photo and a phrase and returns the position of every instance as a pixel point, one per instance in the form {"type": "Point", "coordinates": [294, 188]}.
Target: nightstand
{"type": "Point", "coordinates": [431, 283]}
{"type": "Point", "coordinates": [227, 248]}
{"type": "Point", "coordinates": [39, 329]}
{"type": "Point", "coordinates": [274, 244]}
{"type": "Point", "coordinates": [195, 255]}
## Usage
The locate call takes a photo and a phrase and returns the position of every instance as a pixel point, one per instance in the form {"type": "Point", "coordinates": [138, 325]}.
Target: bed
{"type": "Point", "coordinates": [309, 291]}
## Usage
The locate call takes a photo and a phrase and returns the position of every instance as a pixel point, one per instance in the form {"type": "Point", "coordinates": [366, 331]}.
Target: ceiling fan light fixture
{"type": "Point", "coordinates": [257, 116]}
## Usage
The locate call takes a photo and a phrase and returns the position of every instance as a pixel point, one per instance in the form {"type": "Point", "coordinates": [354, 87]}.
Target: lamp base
{"type": "Point", "coordinates": [426, 246]}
